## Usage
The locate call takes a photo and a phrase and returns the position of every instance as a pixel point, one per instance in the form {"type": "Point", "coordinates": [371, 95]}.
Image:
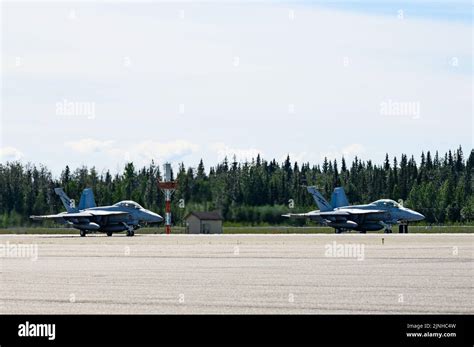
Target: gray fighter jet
{"type": "Point", "coordinates": [374, 216]}
{"type": "Point", "coordinates": [87, 217]}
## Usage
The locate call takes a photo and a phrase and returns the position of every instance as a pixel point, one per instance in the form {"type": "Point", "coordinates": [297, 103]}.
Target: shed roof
{"type": "Point", "coordinates": [205, 215]}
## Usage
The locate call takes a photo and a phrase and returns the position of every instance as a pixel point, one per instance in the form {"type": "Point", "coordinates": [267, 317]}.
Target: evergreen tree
{"type": "Point", "coordinates": [259, 191]}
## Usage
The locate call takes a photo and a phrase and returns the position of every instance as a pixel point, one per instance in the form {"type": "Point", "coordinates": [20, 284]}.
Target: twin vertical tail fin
{"type": "Point", "coordinates": [87, 199]}
{"type": "Point", "coordinates": [69, 204]}
{"type": "Point", "coordinates": [339, 198]}
{"type": "Point", "coordinates": [319, 199]}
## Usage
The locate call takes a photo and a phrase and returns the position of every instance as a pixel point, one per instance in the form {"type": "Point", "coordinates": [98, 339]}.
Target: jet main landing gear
{"type": "Point", "coordinates": [82, 233]}
{"type": "Point", "coordinates": [130, 229]}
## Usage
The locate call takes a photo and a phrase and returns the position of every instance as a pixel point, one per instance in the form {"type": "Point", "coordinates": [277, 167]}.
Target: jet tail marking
{"type": "Point", "coordinates": [319, 199]}
{"type": "Point", "coordinates": [69, 204]}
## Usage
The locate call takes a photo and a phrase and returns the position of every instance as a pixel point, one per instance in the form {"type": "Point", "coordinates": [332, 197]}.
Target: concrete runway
{"type": "Point", "coordinates": [413, 273]}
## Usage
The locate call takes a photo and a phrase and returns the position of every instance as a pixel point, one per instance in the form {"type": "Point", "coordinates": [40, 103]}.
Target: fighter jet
{"type": "Point", "coordinates": [370, 217]}
{"type": "Point", "coordinates": [87, 217]}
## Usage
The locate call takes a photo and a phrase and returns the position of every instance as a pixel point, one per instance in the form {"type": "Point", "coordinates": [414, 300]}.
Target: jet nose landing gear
{"type": "Point", "coordinates": [403, 228]}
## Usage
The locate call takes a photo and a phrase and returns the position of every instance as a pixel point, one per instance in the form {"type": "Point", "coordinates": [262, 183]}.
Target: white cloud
{"type": "Point", "coordinates": [87, 146]}
{"type": "Point", "coordinates": [353, 150]}
{"type": "Point", "coordinates": [10, 154]}
{"type": "Point", "coordinates": [315, 157]}
{"type": "Point", "coordinates": [141, 152]}
{"type": "Point", "coordinates": [162, 151]}
{"type": "Point", "coordinates": [299, 157]}
{"type": "Point", "coordinates": [242, 154]}
{"type": "Point", "coordinates": [348, 152]}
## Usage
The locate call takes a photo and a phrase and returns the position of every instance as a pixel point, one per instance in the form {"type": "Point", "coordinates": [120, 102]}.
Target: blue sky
{"type": "Point", "coordinates": [183, 81]}
{"type": "Point", "coordinates": [459, 11]}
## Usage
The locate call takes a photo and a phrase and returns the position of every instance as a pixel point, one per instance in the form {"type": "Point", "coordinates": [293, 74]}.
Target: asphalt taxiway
{"type": "Point", "coordinates": [274, 273]}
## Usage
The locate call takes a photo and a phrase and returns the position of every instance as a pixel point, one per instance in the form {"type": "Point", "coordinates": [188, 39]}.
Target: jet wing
{"type": "Point", "coordinates": [342, 213]}
{"type": "Point", "coordinates": [297, 215]}
{"type": "Point", "coordinates": [106, 213]}
{"type": "Point", "coordinates": [85, 214]}
{"type": "Point", "coordinates": [349, 211]}
{"type": "Point", "coordinates": [62, 215]}
{"type": "Point", "coordinates": [314, 215]}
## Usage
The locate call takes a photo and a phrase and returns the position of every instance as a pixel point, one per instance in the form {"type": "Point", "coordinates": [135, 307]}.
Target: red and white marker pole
{"type": "Point", "coordinates": [167, 187]}
{"type": "Point", "coordinates": [167, 211]}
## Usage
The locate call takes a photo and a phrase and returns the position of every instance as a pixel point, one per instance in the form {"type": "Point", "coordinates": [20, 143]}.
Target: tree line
{"type": "Point", "coordinates": [252, 192]}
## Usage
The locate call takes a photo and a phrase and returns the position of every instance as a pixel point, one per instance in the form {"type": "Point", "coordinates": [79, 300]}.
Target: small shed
{"type": "Point", "coordinates": [203, 222]}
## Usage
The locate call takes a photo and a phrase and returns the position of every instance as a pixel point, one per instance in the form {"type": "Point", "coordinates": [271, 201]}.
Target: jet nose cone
{"type": "Point", "coordinates": [420, 216]}
{"type": "Point", "coordinates": [416, 216]}
{"type": "Point", "coordinates": [153, 217]}
{"type": "Point", "coordinates": [156, 218]}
